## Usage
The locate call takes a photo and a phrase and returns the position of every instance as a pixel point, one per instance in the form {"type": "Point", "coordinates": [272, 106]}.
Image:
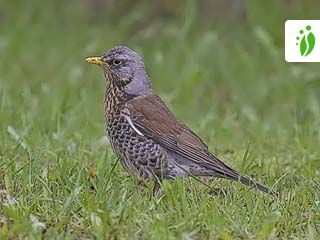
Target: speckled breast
{"type": "Point", "coordinates": [138, 154]}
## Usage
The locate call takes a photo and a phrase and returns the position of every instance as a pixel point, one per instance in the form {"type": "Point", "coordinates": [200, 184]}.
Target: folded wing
{"type": "Point", "coordinates": [152, 118]}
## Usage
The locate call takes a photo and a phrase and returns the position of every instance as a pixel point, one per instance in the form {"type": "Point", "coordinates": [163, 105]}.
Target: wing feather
{"type": "Point", "coordinates": [153, 119]}
{"type": "Point", "coordinates": [150, 115]}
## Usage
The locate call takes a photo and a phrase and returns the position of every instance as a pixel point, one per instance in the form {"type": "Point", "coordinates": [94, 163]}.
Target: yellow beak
{"type": "Point", "coordinates": [96, 60]}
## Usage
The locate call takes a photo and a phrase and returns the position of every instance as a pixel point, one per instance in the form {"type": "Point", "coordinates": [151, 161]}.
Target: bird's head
{"type": "Point", "coordinates": [125, 68]}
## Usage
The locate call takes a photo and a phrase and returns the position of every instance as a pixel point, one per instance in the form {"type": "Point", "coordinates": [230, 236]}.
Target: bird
{"type": "Point", "coordinates": [150, 142]}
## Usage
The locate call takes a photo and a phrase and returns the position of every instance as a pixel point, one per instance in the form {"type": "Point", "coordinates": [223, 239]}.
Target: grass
{"type": "Point", "coordinates": [58, 179]}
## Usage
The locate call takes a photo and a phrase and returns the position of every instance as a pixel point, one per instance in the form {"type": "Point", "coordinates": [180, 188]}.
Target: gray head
{"type": "Point", "coordinates": [125, 68]}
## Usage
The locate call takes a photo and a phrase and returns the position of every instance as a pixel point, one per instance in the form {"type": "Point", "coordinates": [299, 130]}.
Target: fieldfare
{"type": "Point", "coordinates": [148, 139]}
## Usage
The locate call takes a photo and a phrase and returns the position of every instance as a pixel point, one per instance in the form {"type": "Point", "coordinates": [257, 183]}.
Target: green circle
{"type": "Point", "coordinates": [298, 38]}
{"type": "Point", "coordinates": [301, 32]}
{"type": "Point", "coordinates": [297, 44]}
{"type": "Point", "coordinates": [308, 27]}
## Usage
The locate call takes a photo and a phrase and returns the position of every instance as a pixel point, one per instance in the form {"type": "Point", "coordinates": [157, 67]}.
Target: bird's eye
{"type": "Point", "coordinates": [116, 62]}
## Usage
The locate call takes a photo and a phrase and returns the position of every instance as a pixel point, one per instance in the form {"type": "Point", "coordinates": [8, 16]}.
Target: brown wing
{"type": "Point", "coordinates": [153, 118]}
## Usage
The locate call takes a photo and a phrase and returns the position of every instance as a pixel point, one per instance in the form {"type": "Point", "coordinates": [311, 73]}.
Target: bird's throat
{"type": "Point", "coordinates": [115, 98]}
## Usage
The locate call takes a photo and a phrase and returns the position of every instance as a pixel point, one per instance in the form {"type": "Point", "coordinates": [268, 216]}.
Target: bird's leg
{"type": "Point", "coordinates": [156, 188]}
{"type": "Point", "coordinates": [141, 182]}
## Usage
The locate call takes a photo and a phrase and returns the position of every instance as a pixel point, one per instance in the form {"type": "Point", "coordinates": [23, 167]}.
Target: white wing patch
{"type": "Point", "coordinates": [132, 125]}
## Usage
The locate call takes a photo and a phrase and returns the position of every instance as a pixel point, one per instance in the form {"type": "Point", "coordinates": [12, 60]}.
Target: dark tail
{"type": "Point", "coordinates": [250, 183]}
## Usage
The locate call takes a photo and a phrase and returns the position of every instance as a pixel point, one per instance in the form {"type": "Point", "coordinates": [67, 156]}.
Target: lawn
{"type": "Point", "coordinates": [227, 80]}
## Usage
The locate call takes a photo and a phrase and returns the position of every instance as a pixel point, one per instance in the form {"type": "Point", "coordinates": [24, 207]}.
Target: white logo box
{"type": "Point", "coordinates": [292, 32]}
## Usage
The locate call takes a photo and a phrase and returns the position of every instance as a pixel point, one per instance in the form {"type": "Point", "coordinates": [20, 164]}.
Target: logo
{"type": "Point", "coordinates": [302, 41]}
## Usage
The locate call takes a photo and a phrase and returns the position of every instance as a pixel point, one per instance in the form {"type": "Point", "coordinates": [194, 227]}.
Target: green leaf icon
{"type": "Point", "coordinates": [307, 41]}
{"type": "Point", "coordinates": [303, 46]}
{"type": "Point", "coordinates": [311, 40]}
